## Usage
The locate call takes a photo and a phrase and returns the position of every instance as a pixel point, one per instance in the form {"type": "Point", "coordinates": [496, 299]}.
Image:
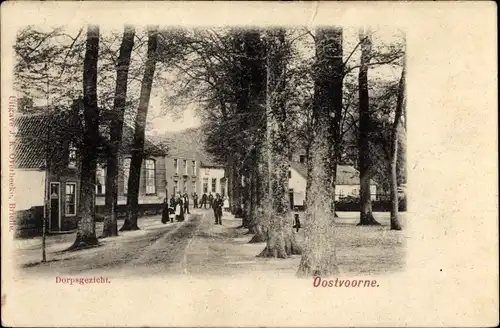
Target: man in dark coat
{"type": "Point", "coordinates": [204, 200]}
{"type": "Point", "coordinates": [210, 199]}
{"type": "Point", "coordinates": [186, 203]}
{"type": "Point", "coordinates": [172, 201]}
{"type": "Point", "coordinates": [165, 212]}
{"type": "Point", "coordinates": [195, 200]}
{"type": "Point", "coordinates": [217, 206]}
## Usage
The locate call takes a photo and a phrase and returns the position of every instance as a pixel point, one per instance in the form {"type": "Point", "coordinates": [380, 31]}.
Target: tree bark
{"type": "Point", "coordinates": [110, 228]}
{"type": "Point", "coordinates": [319, 255]}
{"type": "Point", "coordinates": [281, 241]}
{"type": "Point", "coordinates": [365, 161]}
{"type": "Point", "coordinates": [395, 224]}
{"type": "Point", "coordinates": [262, 210]}
{"type": "Point", "coordinates": [247, 199]}
{"type": "Point", "coordinates": [86, 236]}
{"type": "Point", "coordinates": [139, 133]}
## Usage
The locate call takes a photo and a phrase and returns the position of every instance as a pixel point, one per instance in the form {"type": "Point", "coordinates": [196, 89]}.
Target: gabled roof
{"type": "Point", "coordinates": [32, 133]}
{"type": "Point", "coordinates": [346, 174]}
{"type": "Point", "coordinates": [30, 145]}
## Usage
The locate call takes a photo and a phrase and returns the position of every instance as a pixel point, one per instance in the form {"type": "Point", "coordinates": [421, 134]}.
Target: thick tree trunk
{"type": "Point", "coordinates": [262, 210]}
{"type": "Point", "coordinates": [250, 192]}
{"type": "Point", "coordinates": [139, 133]}
{"type": "Point", "coordinates": [110, 228]}
{"type": "Point", "coordinates": [86, 236]}
{"type": "Point", "coordinates": [395, 224]}
{"type": "Point", "coordinates": [365, 161]}
{"type": "Point", "coordinates": [280, 237]}
{"type": "Point", "coordinates": [319, 256]}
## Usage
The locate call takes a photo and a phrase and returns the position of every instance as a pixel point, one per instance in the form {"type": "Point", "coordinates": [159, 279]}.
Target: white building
{"type": "Point", "coordinates": [347, 183]}
{"type": "Point", "coordinates": [212, 179]}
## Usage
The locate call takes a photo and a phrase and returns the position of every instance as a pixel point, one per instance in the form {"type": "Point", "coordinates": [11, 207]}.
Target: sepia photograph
{"type": "Point", "coordinates": [210, 151]}
{"type": "Point", "coordinates": [202, 164]}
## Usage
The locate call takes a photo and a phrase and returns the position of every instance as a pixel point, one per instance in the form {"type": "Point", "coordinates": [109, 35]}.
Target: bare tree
{"type": "Point", "coordinates": [116, 130]}
{"type": "Point", "coordinates": [139, 133]}
{"type": "Point", "coordinates": [319, 257]}
{"type": "Point", "coordinates": [365, 161]}
{"type": "Point", "coordinates": [401, 103]}
{"type": "Point", "coordinates": [280, 239]}
{"type": "Point", "coordinates": [86, 235]}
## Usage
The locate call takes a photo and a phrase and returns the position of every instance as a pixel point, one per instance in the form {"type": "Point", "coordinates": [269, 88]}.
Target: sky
{"type": "Point", "coordinates": [159, 121]}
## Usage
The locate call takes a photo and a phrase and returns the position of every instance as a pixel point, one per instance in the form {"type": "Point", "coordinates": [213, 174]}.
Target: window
{"type": "Point", "coordinates": [205, 185]}
{"type": "Point", "coordinates": [302, 158]}
{"type": "Point", "coordinates": [214, 184]}
{"type": "Point", "coordinates": [72, 155]}
{"type": "Point", "coordinates": [184, 186]}
{"type": "Point", "coordinates": [289, 174]}
{"type": "Point", "coordinates": [193, 186]}
{"type": "Point", "coordinates": [150, 165]}
{"type": "Point", "coordinates": [185, 166]}
{"type": "Point", "coordinates": [126, 173]}
{"type": "Point", "coordinates": [194, 168]}
{"type": "Point", "coordinates": [176, 165]}
{"type": "Point", "coordinates": [70, 204]}
{"type": "Point", "coordinates": [100, 183]}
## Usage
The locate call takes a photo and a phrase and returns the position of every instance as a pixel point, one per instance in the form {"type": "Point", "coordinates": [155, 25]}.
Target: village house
{"type": "Point", "coordinates": [191, 171]}
{"type": "Point", "coordinates": [47, 161]}
{"type": "Point", "coordinates": [346, 183]}
{"type": "Point", "coordinates": [189, 168]}
{"type": "Point", "coordinates": [212, 179]}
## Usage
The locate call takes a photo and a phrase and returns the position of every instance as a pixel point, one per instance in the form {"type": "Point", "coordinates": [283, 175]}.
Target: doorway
{"type": "Point", "coordinates": [55, 207]}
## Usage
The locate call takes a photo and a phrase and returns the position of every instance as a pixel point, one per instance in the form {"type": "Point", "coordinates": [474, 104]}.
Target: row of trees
{"type": "Point", "coordinates": [47, 58]}
{"type": "Point", "coordinates": [262, 97]}
{"type": "Point", "coordinates": [261, 93]}
{"type": "Point", "coordinates": [89, 150]}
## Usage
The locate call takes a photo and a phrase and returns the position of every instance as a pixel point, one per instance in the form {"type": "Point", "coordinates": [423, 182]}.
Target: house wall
{"type": "Point", "coordinates": [64, 177]}
{"type": "Point", "coordinates": [30, 186]}
{"type": "Point", "coordinates": [207, 174]}
{"type": "Point", "coordinates": [297, 182]}
{"type": "Point", "coordinates": [184, 177]}
{"type": "Point", "coordinates": [29, 199]}
{"type": "Point", "coordinates": [144, 198]}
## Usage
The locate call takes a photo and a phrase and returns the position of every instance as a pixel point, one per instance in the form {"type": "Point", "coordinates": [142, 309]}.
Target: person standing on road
{"type": "Point", "coordinates": [195, 200]}
{"type": "Point", "coordinates": [178, 209]}
{"type": "Point", "coordinates": [210, 199]}
{"type": "Point", "coordinates": [172, 201]}
{"type": "Point", "coordinates": [186, 203]}
{"type": "Point", "coordinates": [204, 200]}
{"type": "Point", "coordinates": [217, 205]}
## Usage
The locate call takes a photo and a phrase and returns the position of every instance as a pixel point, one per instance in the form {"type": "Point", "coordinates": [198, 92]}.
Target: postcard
{"type": "Point", "coordinates": [267, 164]}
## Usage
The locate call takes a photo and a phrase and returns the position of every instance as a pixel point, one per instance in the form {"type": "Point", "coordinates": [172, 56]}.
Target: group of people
{"type": "Point", "coordinates": [207, 201]}
{"type": "Point", "coordinates": [178, 206]}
